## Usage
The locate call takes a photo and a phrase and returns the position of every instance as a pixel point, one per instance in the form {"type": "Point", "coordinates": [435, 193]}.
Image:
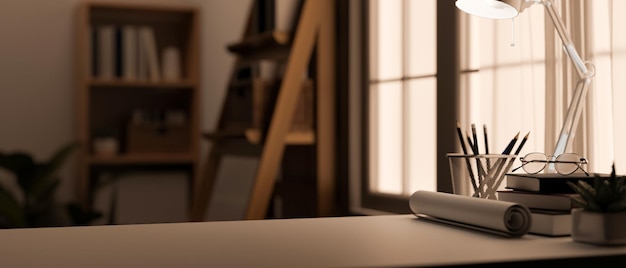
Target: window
{"type": "Point", "coordinates": [402, 89]}
{"type": "Point", "coordinates": [400, 101]}
{"type": "Point", "coordinates": [402, 85]}
{"type": "Point", "coordinates": [522, 87]}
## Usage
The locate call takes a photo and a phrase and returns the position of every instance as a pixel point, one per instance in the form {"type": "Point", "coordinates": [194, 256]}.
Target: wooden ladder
{"type": "Point", "coordinates": [314, 35]}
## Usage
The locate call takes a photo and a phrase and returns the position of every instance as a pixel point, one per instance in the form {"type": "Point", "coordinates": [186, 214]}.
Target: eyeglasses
{"type": "Point", "coordinates": [564, 164]}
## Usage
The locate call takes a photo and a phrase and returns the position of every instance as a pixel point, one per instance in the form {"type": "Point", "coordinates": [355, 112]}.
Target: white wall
{"type": "Point", "coordinates": [36, 71]}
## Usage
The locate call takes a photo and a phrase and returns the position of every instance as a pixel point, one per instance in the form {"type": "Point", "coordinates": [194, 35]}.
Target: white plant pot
{"type": "Point", "coordinates": [599, 228]}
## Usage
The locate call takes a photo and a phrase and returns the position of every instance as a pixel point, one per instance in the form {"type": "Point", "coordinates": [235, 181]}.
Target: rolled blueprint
{"type": "Point", "coordinates": [494, 216]}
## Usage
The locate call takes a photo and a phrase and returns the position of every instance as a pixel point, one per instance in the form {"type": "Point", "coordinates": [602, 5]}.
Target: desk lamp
{"type": "Point", "coordinates": [508, 9]}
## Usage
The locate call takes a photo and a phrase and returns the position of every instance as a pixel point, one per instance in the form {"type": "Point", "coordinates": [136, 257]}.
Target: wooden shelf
{"type": "Point", "coordinates": [255, 136]}
{"type": "Point", "coordinates": [164, 8]}
{"type": "Point", "coordinates": [144, 158]}
{"type": "Point", "coordinates": [106, 102]}
{"type": "Point", "coordinates": [271, 45]}
{"type": "Point", "coordinates": [141, 84]}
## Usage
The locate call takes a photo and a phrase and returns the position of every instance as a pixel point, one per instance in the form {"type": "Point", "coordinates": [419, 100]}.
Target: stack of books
{"type": "Point", "coordinates": [547, 196]}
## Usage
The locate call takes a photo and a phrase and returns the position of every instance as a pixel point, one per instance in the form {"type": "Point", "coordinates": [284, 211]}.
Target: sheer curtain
{"type": "Point", "coordinates": [592, 28]}
{"type": "Point", "coordinates": [502, 78]}
{"type": "Point", "coordinates": [561, 76]}
{"type": "Point", "coordinates": [617, 13]}
{"type": "Point", "coordinates": [607, 45]}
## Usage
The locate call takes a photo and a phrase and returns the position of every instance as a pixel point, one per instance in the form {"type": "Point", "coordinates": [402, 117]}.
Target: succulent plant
{"type": "Point", "coordinates": [607, 194]}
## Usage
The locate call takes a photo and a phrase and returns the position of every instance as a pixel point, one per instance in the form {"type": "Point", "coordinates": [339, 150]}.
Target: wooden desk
{"type": "Point", "coordinates": [372, 241]}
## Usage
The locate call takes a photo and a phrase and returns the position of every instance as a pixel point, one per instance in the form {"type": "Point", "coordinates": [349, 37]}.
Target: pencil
{"type": "Point", "coordinates": [507, 151]}
{"type": "Point", "coordinates": [519, 148]}
{"type": "Point", "coordinates": [458, 131]}
{"type": "Point", "coordinates": [486, 145]}
{"type": "Point", "coordinates": [467, 161]}
{"type": "Point", "coordinates": [481, 171]}
{"type": "Point", "coordinates": [499, 165]}
{"type": "Point", "coordinates": [486, 140]}
{"type": "Point", "coordinates": [509, 147]}
{"type": "Point", "coordinates": [471, 144]}
{"type": "Point", "coordinates": [474, 139]}
{"type": "Point", "coordinates": [508, 167]}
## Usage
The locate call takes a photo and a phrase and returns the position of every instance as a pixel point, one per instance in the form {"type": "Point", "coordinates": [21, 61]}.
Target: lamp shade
{"type": "Point", "coordinates": [492, 9]}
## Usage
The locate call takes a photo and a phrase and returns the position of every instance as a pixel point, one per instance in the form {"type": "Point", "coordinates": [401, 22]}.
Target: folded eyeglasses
{"type": "Point", "coordinates": [564, 164]}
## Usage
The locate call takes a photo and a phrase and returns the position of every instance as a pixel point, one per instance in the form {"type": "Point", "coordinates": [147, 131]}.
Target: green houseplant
{"type": "Point", "coordinates": [32, 204]}
{"type": "Point", "coordinates": [601, 215]}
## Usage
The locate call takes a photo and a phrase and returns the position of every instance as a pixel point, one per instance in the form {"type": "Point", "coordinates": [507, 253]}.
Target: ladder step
{"type": "Point", "coordinates": [268, 45]}
{"type": "Point", "coordinates": [300, 137]}
{"type": "Point", "coordinates": [238, 146]}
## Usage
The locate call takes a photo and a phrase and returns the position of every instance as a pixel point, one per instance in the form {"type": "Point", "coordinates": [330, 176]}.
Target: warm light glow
{"type": "Point", "coordinates": [503, 87]}
{"type": "Point", "coordinates": [507, 90]}
{"type": "Point", "coordinates": [389, 139]}
{"type": "Point", "coordinates": [402, 97]}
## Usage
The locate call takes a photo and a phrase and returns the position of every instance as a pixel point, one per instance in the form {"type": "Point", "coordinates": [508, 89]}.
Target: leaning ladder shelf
{"type": "Point", "coordinates": [314, 32]}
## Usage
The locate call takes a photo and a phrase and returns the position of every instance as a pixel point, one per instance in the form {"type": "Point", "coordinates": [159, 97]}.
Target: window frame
{"type": "Point", "coordinates": [447, 87]}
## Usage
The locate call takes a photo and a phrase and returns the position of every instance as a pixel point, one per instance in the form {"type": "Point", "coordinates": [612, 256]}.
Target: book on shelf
{"type": "Point", "coordinates": [129, 52]}
{"type": "Point", "coordinates": [555, 201]}
{"type": "Point", "coordinates": [171, 64]}
{"type": "Point", "coordinates": [118, 52]}
{"type": "Point", "coordinates": [94, 45]}
{"type": "Point", "coordinates": [115, 52]}
{"type": "Point", "coordinates": [142, 66]}
{"type": "Point", "coordinates": [106, 52]}
{"type": "Point", "coordinates": [551, 222]}
{"type": "Point", "coordinates": [150, 52]}
{"type": "Point", "coordinates": [546, 182]}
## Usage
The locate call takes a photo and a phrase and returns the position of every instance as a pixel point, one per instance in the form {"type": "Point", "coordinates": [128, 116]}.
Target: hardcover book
{"type": "Point", "coordinates": [151, 54]}
{"type": "Point", "coordinates": [551, 222]}
{"type": "Point", "coordinates": [546, 182]}
{"type": "Point", "coordinates": [556, 201]}
{"type": "Point", "coordinates": [129, 52]}
{"type": "Point", "coordinates": [106, 52]}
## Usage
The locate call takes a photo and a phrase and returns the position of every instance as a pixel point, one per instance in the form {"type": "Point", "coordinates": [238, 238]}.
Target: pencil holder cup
{"type": "Point", "coordinates": [479, 175]}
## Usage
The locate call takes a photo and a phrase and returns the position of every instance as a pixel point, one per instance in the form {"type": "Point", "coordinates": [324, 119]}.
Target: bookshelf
{"type": "Point", "coordinates": [140, 90]}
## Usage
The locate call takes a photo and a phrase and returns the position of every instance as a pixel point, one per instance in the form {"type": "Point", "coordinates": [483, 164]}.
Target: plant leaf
{"type": "Point", "coordinates": [45, 171]}
{"type": "Point", "coordinates": [587, 193]}
{"type": "Point", "coordinates": [16, 162]}
{"type": "Point", "coordinates": [81, 216]}
{"type": "Point", "coordinates": [43, 193]}
{"type": "Point", "coordinates": [604, 193]}
{"type": "Point", "coordinates": [11, 209]}
{"type": "Point", "coordinates": [615, 206]}
{"type": "Point", "coordinates": [579, 201]}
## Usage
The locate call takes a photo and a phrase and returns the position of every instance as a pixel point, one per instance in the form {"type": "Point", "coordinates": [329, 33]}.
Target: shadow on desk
{"type": "Point", "coordinates": [466, 228]}
{"type": "Point", "coordinates": [606, 261]}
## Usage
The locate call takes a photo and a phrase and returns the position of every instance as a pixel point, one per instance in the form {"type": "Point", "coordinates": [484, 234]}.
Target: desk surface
{"type": "Point", "coordinates": [372, 241]}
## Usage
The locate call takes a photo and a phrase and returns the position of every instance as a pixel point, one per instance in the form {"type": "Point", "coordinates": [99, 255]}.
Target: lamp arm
{"type": "Point", "coordinates": [585, 72]}
{"type": "Point", "coordinates": [568, 45]}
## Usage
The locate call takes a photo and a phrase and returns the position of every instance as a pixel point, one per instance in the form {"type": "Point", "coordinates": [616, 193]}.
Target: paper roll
{"type": "Point", "coordinates": [501, 217]}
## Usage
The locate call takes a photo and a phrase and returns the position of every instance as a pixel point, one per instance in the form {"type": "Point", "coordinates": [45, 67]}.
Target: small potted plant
{"type": "Point", "coordinates": [32, 202]}
{"type": "Point", "coordinates": [601, 216]}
